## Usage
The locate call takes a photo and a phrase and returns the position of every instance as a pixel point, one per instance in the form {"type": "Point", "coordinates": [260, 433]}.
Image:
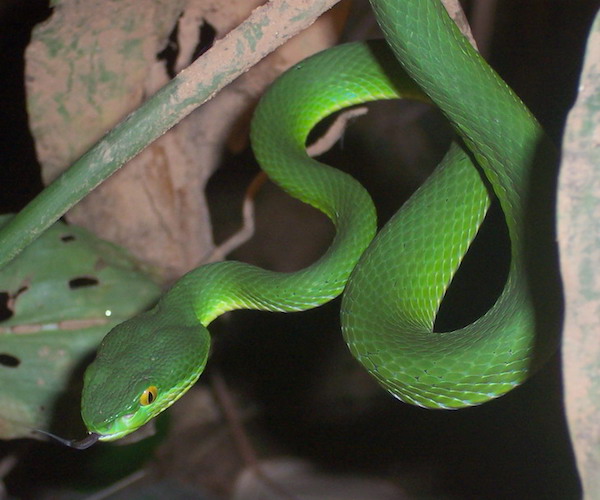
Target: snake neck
{"type": "Point", "coordinates": [213, 289]}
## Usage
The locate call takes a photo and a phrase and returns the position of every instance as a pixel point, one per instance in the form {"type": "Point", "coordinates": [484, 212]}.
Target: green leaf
{"type": "Point", "coordinates": [57, 301]}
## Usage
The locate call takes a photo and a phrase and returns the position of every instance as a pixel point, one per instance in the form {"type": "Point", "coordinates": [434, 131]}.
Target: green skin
{"type": "Point", "coordinates": [394, 283]}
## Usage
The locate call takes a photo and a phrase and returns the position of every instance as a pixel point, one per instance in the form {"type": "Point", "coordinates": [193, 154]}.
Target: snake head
{"type": "Point", "coordinates": [142, 367]}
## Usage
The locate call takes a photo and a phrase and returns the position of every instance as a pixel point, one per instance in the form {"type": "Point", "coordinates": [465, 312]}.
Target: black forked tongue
{"type": "Point", "coordinates": [78, 444]}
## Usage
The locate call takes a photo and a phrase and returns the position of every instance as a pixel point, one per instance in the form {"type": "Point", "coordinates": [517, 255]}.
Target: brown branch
{"type": "Point", "coordinates": [334, 132]}
{"type": "Point", "coordinates": [246, 45]}
{"type": "Point", "coordinates": [457, 13]}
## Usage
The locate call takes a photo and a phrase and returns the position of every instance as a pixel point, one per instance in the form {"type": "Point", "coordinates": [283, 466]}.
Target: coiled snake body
{"type": "Point", "coordinates": [394, 283]}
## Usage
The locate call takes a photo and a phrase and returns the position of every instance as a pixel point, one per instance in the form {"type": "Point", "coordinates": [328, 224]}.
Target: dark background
{"type": "Point", "coordinates": [314, 402]}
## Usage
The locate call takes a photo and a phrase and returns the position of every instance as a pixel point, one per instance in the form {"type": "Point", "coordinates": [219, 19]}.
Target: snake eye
{"type": "Point", "coordinates": [149, 395]}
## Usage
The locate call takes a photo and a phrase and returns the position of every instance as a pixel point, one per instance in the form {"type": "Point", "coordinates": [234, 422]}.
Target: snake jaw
{"type": "Point", "coordinates": [121, 426]}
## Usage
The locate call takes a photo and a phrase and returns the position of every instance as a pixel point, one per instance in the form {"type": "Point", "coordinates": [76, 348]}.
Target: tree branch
{"type": "Point", "coordinates": [266, 29]}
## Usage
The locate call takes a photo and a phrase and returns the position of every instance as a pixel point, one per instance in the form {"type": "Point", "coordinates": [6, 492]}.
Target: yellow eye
{"type": "Point", "coordinates": [149, 395]}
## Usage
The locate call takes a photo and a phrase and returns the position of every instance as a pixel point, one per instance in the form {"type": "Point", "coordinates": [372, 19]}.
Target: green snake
{"type": "Point", "coordinates": [394, 283]}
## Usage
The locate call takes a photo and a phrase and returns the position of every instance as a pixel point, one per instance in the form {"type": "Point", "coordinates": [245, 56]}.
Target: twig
{"type": "Point", "coordinates": [457, 13]}
{"type": "Point", "coordinates": [225, 61]}
{"type": "Point", "coordinates": [232, 417]}
{"type": "Point", "coordinates": [247, 229]}
{"type": "Point", "coordinates": [335, 131]}
{"type": "Point", "coordinates": [119, 485]}
{"type": "Point", "coordinates": [240, 436]}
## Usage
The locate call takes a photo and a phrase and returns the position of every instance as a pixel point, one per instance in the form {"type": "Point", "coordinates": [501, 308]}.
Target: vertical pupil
{"type": "Point", "coordinates": [150, 397]}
